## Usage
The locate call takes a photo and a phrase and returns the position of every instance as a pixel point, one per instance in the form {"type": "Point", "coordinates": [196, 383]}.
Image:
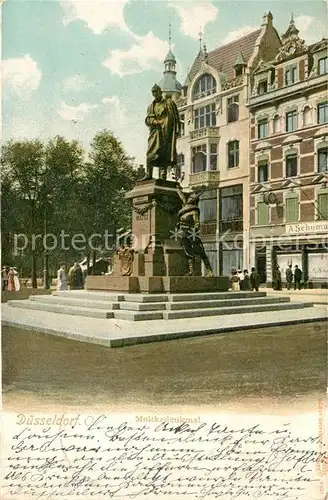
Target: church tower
{"type": "Point", "coordinates": [169, 83]}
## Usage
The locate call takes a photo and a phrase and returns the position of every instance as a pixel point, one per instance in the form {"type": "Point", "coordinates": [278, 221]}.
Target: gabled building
{"type": "Point", "coordinates": [288, 160]}
{"type": "Point", "coordinates": [214, 147]}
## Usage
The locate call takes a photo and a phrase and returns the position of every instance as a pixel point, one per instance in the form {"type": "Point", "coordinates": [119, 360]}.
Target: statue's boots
{"type": "Point", "coordinates": [207, 264]}
{"type": "Point", "coordinates": [163, 173]}
{"type": "Point", "coordinates": [148, 175]}
{"type": "Point", "coordinates": [191, 267]}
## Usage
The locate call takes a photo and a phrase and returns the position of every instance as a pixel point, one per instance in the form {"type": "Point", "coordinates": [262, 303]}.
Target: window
{"type": "Point", "coordinates": [307, 119]}
{"type": "Point", "coordinates": [182, 120]}
{"type": "Point", "coordinates": [276, 124]}
{"type": "Point", "coordinates": [291, 121]}
{"type": "Point", "coordinates": [292, 209]}
{"type": "Point", "coordinates": [323, 65]}
{"type": "Point", "coordinates": [238, 71]}
{"type": "Point", "coordinates": [262, 128]}
{"type": "Point", "coordinates": [290, 75]}
{"type": "Point", "coordinates": [199, 159]}
{"type": "Point", "coordinates": [263, 171]}
{"type": "Point", "coordinates": [205, 116]}
{"type": "Point", "coordinates": [322, 110]}
{"type": "Point", "coordinates": [206, 85]}
{"type": "Point", "coordinates": [208, 206]}
{"type": "Point", "coordinates": [262, 87]}
{"type": "Point", "coordinates": [213, 156]}
{"type": "Point", "coordinates": [231, 208]}
{"type": "Point", "coordinates": [233, 108]}
{"type": "Point", "coordinates": [322, 206]}
{"type": "Point", "coordinates": [262, 214]}
{"type": "Point", "coordinates": [322, 159]}
{"type": "Point", "coordinates": [291, 165]}
{"type": "Point", "coordinates": [233, 154]}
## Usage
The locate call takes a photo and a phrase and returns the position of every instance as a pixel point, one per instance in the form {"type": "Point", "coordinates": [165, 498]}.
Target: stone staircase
{"type": "Point", "coordinates": [140, 307]}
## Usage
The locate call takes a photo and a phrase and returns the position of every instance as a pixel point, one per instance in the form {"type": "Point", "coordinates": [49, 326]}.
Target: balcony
{"type": "Point", "coordinates": [204, 133]}
{"type": "Point", "coordinates": [207, 178]}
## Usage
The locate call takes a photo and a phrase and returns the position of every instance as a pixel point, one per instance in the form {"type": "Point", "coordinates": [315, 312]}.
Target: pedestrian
{"type": "Point", "coordinates": [11, 281]}
{"type": "Point", "coordinates": [289, 276]}
{"type": "Point", "coordinates": [255, 279]}
{"type": "Point", "coordinates": [75, 277]}
{"type": "Point", "coordinates": [246, 281]}
{"type": "Point", "coordinates": [4, 278]}
{"type": "Point", "coordinates": [62, 278]}
{"type": "Point", "coordinates": [297, 278]}
{"type": "Point", "coordinates": [241, 279]}
{"type": "Point", "coordinates": [234, 281]}
{"type": "Point", "coordinates": [277, 279]}
{"type": "Point", "coordinates": [16, 279]}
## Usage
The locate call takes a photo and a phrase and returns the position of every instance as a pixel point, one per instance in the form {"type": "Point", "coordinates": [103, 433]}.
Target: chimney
{"type": "Point", "coordinates": [267, 19]}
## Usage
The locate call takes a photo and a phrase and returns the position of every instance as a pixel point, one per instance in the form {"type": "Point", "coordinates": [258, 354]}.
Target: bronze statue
{"type": "Point", "coordinates": [189, 227]}
{"type": "Point", "coordinates": [126, 256]}
{"type": "Point", "coordinates": [164, 128]}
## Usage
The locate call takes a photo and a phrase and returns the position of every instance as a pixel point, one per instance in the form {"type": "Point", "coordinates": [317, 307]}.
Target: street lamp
{"type": "Point", "coordinates": [45, 254]}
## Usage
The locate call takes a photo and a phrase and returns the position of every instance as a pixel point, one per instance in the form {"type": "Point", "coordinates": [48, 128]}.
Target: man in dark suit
{"type": "Point", "coordinates": [297, 278]}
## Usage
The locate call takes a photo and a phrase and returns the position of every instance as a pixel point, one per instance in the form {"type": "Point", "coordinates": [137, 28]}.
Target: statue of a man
{"type": "Point", "coordinates": [164, 128]}
{"type": "Point", "coordinates": [189, 226]}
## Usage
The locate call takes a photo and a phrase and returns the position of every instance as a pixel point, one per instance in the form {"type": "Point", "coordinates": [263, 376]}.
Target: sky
{"type": "Point", "coordinates": [73, 68]}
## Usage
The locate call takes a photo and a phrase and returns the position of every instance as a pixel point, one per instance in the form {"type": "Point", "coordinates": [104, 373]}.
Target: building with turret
{"type": "Point", "coordinates": [215, 145]}
{"type": "Point", "coordinates": [288, 160]}
{"type": "Point", "coordinates": [169, 83]}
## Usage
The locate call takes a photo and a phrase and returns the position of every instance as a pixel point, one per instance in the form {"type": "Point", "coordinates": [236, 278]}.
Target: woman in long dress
{"type": "Point", "coordinates": [11, 281]}
{"type": "Point", "coordinates": [62, 278]}
{"type": "Point", "coordinates": [16, 279]}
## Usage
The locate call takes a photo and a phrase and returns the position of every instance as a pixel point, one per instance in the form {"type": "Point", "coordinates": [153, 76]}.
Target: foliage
{"type": "Point", "coordinates": [51, 188]}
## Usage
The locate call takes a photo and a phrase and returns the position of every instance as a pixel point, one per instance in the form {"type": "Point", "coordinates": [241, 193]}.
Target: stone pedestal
{"type": "Point", "coordinates": [160, 264]}
{"type": "Point", "coordinates": [155, 204]}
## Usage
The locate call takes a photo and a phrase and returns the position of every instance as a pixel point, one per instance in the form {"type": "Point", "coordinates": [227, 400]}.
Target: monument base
{"type": "Point", "coordinates": [158, 284]}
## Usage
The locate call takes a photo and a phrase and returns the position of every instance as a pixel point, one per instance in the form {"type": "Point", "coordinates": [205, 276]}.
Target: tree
{"type": "Point", "coordinates": [108, 175]}
{"type": "Point", "coordinates": [37, 180]}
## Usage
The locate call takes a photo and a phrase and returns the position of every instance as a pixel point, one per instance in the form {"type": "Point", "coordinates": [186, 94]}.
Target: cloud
{"type": "Point", "coordinates": [308, 30]}
{"type": "Point", "coordinates": [77, 82]}
{"type": "Point", "coordinates": [194, 17]}
{"type": "Point", "coordinates": [234, 35]}
{"type": "Point", "coordinates": [75, 113]}
{"type": "Point", "coordinates": [21, 75]}
{"type": "Point", "coordinates": [99, 15]}
{"type": "Point", "coordinates": [303, 22]}
{"type": "Point", "coordinates": [145, 54]}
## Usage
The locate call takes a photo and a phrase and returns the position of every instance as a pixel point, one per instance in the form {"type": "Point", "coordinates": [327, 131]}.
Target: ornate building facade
{"type": "Point", "coordinates": [215, 144]}
{"type": "Point", "coordinates": [288, 160]}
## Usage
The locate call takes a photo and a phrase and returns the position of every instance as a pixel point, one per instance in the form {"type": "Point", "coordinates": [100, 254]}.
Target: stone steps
{"type": "Point", "coordinates": [197, 313]}
{"type": "Point", "coordinates": [66, 301]}
{"type": "Point", "coordinates": [141, 307]}
{"type": "Point", "coordinates": [209, 304]}
{"type": "Point", "coordinates": [60, 309]}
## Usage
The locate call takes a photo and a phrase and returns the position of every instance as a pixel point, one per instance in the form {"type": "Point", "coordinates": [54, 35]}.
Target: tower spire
{"type": "Point", "coordinates": [200, 34]}
{"type": "Point", "coordinates": [170, 34]}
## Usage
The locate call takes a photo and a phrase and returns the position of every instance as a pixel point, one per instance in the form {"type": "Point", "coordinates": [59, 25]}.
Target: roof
{"type": "Point", "coordinates": [170, 56]}
{"type": "Point", "coordinates": [224, 58]}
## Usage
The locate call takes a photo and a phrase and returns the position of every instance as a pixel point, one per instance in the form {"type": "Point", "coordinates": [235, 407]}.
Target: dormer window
{"type": "Point", "coordinates": [205, 85]}
{"type": "Point", "coordinates": [290, 75]}
{"type": "Point", "coordinates": [323, 65]}
{"type": "Point", "coordinates": [262, 87]}
{"type": "Point", "coordinates": [238, 71]}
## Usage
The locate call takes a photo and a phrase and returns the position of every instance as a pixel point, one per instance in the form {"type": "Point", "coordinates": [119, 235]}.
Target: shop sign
{"type": "Point", "coordinates": [307, 227]}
